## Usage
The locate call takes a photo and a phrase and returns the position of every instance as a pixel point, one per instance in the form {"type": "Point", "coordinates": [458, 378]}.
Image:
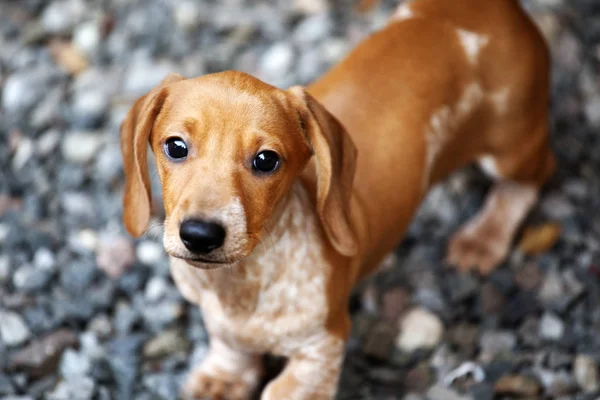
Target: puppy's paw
{"type": "Point", "coordinates": [479, 246]}
{"type": "Point", "coordinates": [202, 386]}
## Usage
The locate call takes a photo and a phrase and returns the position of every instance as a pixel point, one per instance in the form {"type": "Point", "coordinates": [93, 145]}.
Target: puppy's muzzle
{"type": "Point", "coordinates": [201, 237]}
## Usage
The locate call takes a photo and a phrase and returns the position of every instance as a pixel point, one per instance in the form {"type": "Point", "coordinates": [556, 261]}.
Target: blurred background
{"type": "Point", "coordinates": [86, 312]}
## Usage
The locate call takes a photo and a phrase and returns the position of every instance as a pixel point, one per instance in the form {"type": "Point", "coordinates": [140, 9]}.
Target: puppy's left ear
{"type": "Point", "coordinates": [335, 156]}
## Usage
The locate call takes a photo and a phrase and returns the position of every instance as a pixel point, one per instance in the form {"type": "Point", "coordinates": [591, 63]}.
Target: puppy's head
{"type": "Point", "coordinates": [228, 148]}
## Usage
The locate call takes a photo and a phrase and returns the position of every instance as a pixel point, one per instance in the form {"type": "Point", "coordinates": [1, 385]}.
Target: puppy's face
{"type": "Point", "coordinates": [228, 148]}
{"type": "Point", "coordinates": [227, 153]}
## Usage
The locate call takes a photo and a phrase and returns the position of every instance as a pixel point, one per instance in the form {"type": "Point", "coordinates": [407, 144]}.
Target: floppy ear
{"type": "Point", "coordinates": [335, 156]}
{"type": "Point", "coordinates": [135, 134]}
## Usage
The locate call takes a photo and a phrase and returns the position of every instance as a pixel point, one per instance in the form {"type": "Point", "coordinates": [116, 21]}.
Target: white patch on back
{"type": "Point", "coordinates": [490, 168]}
{"type": "Point", "coordinates": [445, 121]}
{"type": "Point", "coordinates": [499, 100]}
{"type": "Point", "coordinates": [472, 43]}
{"type": "Point", "coordinates": [403, 12]}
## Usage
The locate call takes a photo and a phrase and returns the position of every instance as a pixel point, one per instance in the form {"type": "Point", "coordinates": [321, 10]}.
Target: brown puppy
{"type": "Point", "coordinates": [279, 201]}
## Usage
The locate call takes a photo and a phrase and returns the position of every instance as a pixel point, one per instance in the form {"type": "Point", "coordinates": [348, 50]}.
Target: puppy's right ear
{"type": "Point", "coordinates": [135, 134]}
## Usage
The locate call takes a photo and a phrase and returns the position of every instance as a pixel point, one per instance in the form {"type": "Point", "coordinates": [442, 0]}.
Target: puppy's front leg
{"type": "Point", "coordinates": [312, 373]}
{"type": "Point", "coordinates": [225, 374]}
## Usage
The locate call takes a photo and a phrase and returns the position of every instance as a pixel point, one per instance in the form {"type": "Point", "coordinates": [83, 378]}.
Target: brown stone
{"type": "Point", "coordinates": [518, 385]}
{"type": "Point", "coordinates": [529, 277]}
{"type": "Point", "coordinates": [394, 303]}
{"type": "Point", "coordinates": [42, 356]}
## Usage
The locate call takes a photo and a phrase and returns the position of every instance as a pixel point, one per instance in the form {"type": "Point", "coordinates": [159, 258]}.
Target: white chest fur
{"type": "Point", "coordinates": [275, 299]}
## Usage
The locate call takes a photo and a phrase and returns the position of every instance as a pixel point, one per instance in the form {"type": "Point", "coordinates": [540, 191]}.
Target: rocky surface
{"type": "Point", "coordinates": [88, 313]}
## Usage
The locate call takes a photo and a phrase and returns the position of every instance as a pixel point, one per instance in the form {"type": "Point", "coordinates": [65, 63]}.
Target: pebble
{"type": "Point", "coordinates": [5, 268]}
{"type": "Point", "coordinates": [494, 343]}
{"type": "Point", "coordinates": [62, 16]}
{"type": "Point", "coordinates": [312, 29]}
{"type": "Point", "coordinates": [419, 329]}
{"type": "Point", "coordinates": [29, 279]}
{"type": "Point", "coordinates": [6, 386]}
{"type": "Point", "coordinates": [115, 254]}
{"type": "Point", "coordinates": [81, 388]}
{"type": "Point", "coordinates": [585, 370]}
{"type": "Point", "coordinates": [379, 343]}
{"type": "Point", "coordinates": [44, 259]}
{"type": "Point", "coordinates": [276, 61]}
{"type": "Point", "coordinates": [41, 356]}
{"type": "Point", "coordinates": [23, 89]}
{"type": "Point", "coordinates": [80, 147]}
{"type": "Point", "coordinates": [394, 303]}
{"type": "Point", "coordinates": [440, 392]}
{"type": "Point", "coordinates": [101, 326]}
{"type": "Point", "coordinates": [165, 344]}
{"type": "Point", "coordinates": [87, 37]}
{"type": "Point", "coordinates": [149, 252]}
{"type": "Point", "coordinates": [156, 288]}
{"type": "Point", "coordinates": [551, 327]}
{"type": "Point", "coordinates": [187, 15]}
{"type": "Point", "coordinates": [163, 385]}
{"type": "Point", "coordinates": [143, 74]}
{"type": "Point", "coordinates": [74, 365]}
{"type": "Point", "coordinates": [13, 329]}
{"type": "Point", "coordinates": [518, 385]}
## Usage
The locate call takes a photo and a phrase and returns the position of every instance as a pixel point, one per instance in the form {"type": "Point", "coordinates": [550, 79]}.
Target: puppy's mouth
{"type": "Point", "coordinates": [204, 263]}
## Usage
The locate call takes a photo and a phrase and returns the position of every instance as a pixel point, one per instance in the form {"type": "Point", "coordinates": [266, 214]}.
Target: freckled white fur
{"type": "Point", "coordinates": [472, 43]}
{"type": "Point", "coordinates": [444, 121]}
{"type": "Point", "coordinates": [290, 280]}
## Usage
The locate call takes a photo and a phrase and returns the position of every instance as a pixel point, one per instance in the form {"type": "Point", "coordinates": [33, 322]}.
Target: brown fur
{"type": "Point", "coordinates": [443, 85]}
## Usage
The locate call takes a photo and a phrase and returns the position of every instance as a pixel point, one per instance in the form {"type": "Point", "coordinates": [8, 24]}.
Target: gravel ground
{"type": "Point", "coordinates": [88, 313]}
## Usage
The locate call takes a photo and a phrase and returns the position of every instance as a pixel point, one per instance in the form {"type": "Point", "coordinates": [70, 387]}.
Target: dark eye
{"type": "Point", "coordinates": [266, 161]}
{"type": "Point", "coordinates": [176, 148]}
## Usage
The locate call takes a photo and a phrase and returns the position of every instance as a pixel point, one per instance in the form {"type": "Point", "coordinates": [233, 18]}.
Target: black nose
{"type": "Point", "coordinates": [201, 237]}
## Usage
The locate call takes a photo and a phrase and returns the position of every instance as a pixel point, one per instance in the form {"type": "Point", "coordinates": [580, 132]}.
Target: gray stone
{"type": "Point", "coordinates": [313, 28]}
{"type": "Point", "coordinates": [6, 386]}
{"type": "Point", "coordinates": [47, 142]}
{"type": "Point", "coordinates": [87, 36]}
{"type": "Point", "coordinates": [78, 205]}
{"type": "Point", "coordinates": [44, 259]}
{"type": "Point", "coordinates": [62, 15]}
{"type": "Point", "coordinates": [158, 315]}
{"type": "Point", "coordinates": [13, 329]}
{"type": "Point", "coordinates": [439, 392]}
{"type": "Point", "coordinates": [276, 62]}
{"type": "Point", "coordinates": [74, 365]}
{"type": "Point", "coordinates": [29, 279]}
{"type": "Point", "coordinates": [156, 288]}
{"type": "Point", "coordinates": [143, 74]}
{"type": "Point", "coordinates": [494, 343]}
{"type": "Point", "coordinates": [163, 385]}
{"type": "Point", "coordinates": [149, 252]}
{"type": "Point", "coordinates": [5, 268]}
{"type": "Point", "coordinates": [25, 88]}
{"type": "Point", "coordinates": [551, 327]}
{"type": "Point", "coordinates": [188, 14]}
{"type": "Point", "coordinates": [79, 388]}
{"type": "Point", "coordinates": [80, 147]}
{"type": "Point", "coordinates": [109, 164]}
